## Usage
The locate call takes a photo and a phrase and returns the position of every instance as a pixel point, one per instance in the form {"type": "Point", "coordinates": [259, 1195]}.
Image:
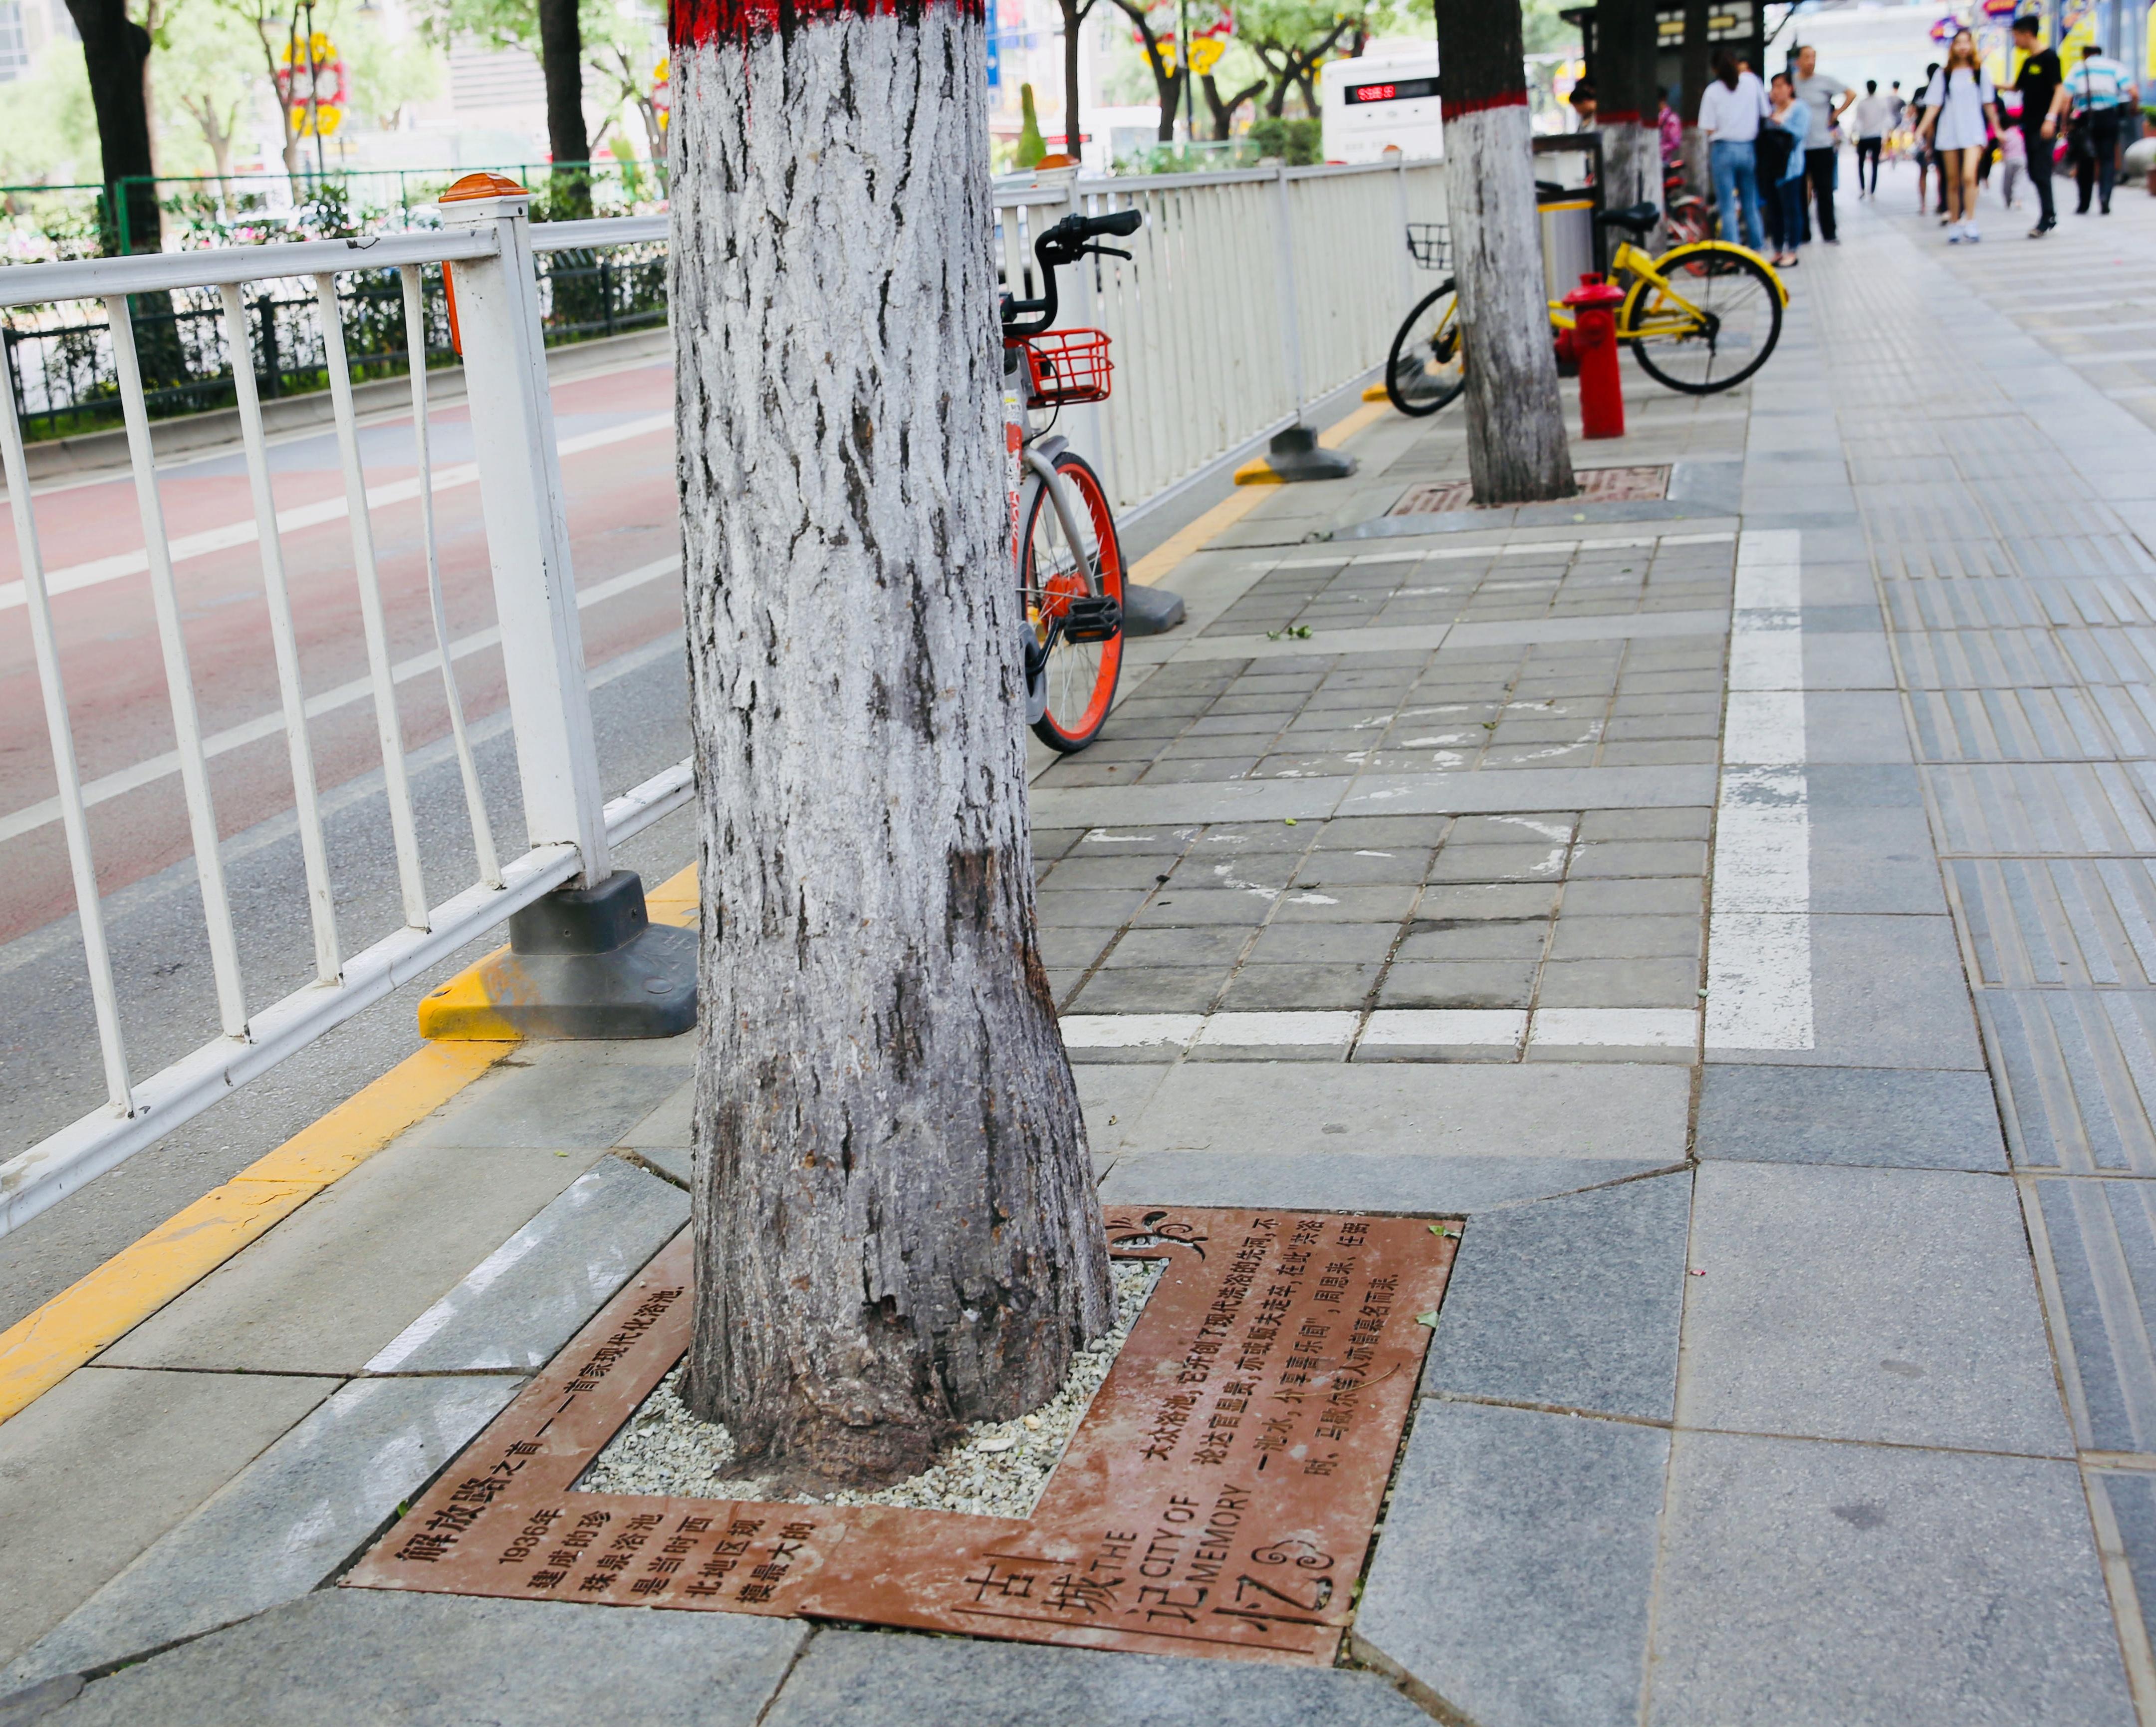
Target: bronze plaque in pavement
{"type": "Point", "coordinates": [1217, 1497]}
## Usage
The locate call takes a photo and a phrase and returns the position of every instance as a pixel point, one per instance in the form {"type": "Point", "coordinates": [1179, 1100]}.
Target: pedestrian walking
{"type": "Point", "coordinates": [1901, 107]}
{"type": "Point", "coordinates": [1669, 125]}
{"type": "Point", "coordinates": [1781, 153]}
{"type": "Point", "coordinates": [1826, 97]}
{"type": "Point", "coordinates": [2100, 91]}
{"type": "Point", "coordinates": [1956, 108]}
{"type": "Point", "coordinates": [1874, 120]}
{"type": "Point", "coordinates": [2012, 156]}
{"type": "Point", "coordinates": [2044, 98]}
{"type": "Point", "coordinates": [1920, 144]}
{"type": "Point", "coordinates": [1730, 110]}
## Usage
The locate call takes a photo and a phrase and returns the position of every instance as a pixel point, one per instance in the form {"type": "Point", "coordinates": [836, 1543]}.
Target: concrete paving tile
{"type": "Point", "coordinates": [291, 1518]}
{"type": "Point", "coordinates": [1639, 1112]}
{"type": "Point", "coordinates": [1513, 1577]}
{"type": "Point", "coordinates": [860, 1679]}
{"type": "Point", "coordinates": [1841, 659]}
{"type": "Point", "coordinates": [1261, 987]}
{"type": "Point", "coordinates": [1887, 1305]}
{"type": "Point", "coordinates": [1810, 1584]}
{"type": "Point", "coordinates": [1148, 948]}
{"type": "Point", "coordinates": [2102, 1242]}
{"type": "Point", "coordinates": [1111, 1098]}
{"type": "Point", "coordinates": [372, 1657]}
{"type": "Point", "coordinates": [669, 1125]}
{"type": "Point", "coordinates": [351, 1269]}
{"type": "Point", "coordinates": [1474, 939]}
{"type": "Point", "coordinates": [1855, 726]}
{"type": "Point", "coordinates": [1458, 983]}
{"type": "Point", "coordinates": [1088, 908]}
{"type": "Point", "coordinates": [1887, 992]}
{"type": "Point", "coordinates": [1068, 951]}
{"type": "Point", "coordinates": [1487, 899]}
{"type": "Point", "coordinates": [1874, 860]}
{"type": "Point", "coordinates": [1641, 936]}
{"type": "Point", "coordinates": [1664, 983]}
{"type": "Point", "coordinates": [1322, 944]}
{"type": "Point", "coordinates": [1573, 1302]}
{"type": "Point", "coordinates": [1892, 1117]}
{"type": "Point", "coordinates": [555, 1099]}
{"type": "Point", "coordinates": [1614, 857]}
{"type": "Point", "coordinates": [1348, 1182]}
{"type": "Point", "coordinates": [1324, 901]}
{"type": "Point", "coordinates": [528, 1297]}
{"type": "Point", "coordinates": [1642, 896]}
{"type": "Point", "coordinates": [144, 1449]}
{"type": "Point", "coordinates": [1178, 989]}
{"type": "Point", "coordinates": [1191, 907]}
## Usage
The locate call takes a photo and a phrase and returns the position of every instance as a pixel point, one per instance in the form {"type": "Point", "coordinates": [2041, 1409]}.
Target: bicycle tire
{"type": "Point", "coordinates": [1715, 258]}
{"type": "Point", "coordinates": [1082, 674]}
{"type": "Point", "coordinates": [1403, 362]}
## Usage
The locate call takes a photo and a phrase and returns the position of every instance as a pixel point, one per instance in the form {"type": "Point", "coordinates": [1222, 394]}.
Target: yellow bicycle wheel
{"type": "Point", "coordinates": [1707, 320]}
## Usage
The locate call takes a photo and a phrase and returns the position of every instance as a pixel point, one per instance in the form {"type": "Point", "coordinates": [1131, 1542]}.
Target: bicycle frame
{"type": "Point", "coordinates": [1680, 314]}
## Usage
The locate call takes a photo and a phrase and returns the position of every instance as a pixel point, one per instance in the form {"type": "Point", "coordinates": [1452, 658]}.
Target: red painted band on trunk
{"type": "Point", "coordinates": [692, 23]}
{"type": "Point", "coordinates": [1505, 99]}
{"type": "Point", "coordinates": [1620, 116]}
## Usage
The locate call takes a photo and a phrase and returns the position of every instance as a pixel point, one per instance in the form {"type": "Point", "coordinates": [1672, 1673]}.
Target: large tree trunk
{"type": "Point", "coordinates": [115, 52]}
{"type": "Point", "coordinates": [1625, 68]}
{"type": "Point", "coordinates": [561, 59]}
{"type": "Point", "coordinates": [896, 1223]}
{"type": "Point", "coordinates": [1517, 451]}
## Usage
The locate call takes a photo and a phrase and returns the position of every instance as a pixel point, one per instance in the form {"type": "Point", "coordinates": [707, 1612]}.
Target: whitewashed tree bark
{"type": "Point", "coordinates": [896, 1223]}
{"type": "Point", "coordinates": [1624, 53]}
{"type": "Point", "coordinates": [1516, 451]}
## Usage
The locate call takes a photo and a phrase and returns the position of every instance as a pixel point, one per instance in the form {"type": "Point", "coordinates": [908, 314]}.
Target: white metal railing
{"type": "Point", "coordinates": [1250, 293]}
{"type": "Point", "coordinates": [490, 243]}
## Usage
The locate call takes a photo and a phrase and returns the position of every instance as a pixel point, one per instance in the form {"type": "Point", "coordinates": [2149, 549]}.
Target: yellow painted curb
{"type": "Point", "coordinates": [42, 1349]}
{"type": "Point", "coordinates": [466, 1008]}
{"type": "Point", "coordinates": [1340, 430]}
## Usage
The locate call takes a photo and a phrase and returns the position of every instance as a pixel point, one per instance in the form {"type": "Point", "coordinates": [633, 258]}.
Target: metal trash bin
{"type": "Point", "coordinates": [1567, 243]}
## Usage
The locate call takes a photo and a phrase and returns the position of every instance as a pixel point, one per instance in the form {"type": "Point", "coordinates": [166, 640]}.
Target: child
{"type": "Point", "coordinates": [2013, 156]}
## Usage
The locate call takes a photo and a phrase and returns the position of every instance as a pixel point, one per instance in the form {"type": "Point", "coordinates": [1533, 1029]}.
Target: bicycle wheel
{"type": "Point", "coordinates": [1711, 327]}
{"type": "Point", "coordinates": [1425, 369]}
{"type": "Point", "coordinates": [1081, 675]}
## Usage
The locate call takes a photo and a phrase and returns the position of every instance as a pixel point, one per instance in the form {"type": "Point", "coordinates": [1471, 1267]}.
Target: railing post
{"type": "Point", "coordinates": [527, 534]}
{"type": "Point", "coordinates": [585, 961]}
{"type": "Point", "coordinates": [1294, 454]}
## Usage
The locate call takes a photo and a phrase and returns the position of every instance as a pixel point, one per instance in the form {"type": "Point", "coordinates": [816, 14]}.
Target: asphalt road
{"type": "Point", "coordinates": [618, 469]}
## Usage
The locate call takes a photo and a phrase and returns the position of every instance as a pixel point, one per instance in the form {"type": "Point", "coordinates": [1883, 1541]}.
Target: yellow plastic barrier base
{"type": "Point", "coordinates": [1375, 392]}
{"type": "Point", "coordinates": [1258, 471]}
{"type": "Point", "coordinates": [469, 1007]}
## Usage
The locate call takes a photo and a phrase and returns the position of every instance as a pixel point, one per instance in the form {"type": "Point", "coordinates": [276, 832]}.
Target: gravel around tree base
{"type": "Point", "coordinates": [996, 1470]}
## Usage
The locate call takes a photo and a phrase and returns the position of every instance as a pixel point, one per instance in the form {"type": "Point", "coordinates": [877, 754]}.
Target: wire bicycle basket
{"type": "Point", "coordinates": [1063, 366]}
{"type": "Point", "coordinates": [1429, 244]}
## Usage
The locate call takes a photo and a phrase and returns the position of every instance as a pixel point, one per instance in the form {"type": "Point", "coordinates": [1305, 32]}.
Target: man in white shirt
{"type": "Point", "coordinates": [1874, 119]}
{"type": "Point", "coordinates": [1826, 97]}
{"type": "Point", "coordinates": [2103, 93]}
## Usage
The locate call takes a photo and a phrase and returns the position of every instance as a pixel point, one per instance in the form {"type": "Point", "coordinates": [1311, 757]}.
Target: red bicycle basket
{"type": "Point", "coordinates": [1067, 366]}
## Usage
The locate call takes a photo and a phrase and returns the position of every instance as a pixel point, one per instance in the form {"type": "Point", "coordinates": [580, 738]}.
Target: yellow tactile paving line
{"type": "Point", "coordinates": [43, 1348]}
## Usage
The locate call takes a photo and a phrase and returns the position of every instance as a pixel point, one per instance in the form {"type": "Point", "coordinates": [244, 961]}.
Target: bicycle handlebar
{"type": "Point", "coordinates": [1066, 243]}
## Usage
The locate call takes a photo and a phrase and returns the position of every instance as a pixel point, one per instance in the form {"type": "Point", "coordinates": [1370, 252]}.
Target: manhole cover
{"type": "Point", "coordinates": [1217, 1497]}
{"type": "Point", "coordinates": [1597, 485]}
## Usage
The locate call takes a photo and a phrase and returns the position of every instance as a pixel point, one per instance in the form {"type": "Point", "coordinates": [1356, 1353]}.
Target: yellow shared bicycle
{"type": "Point", "coordinates": [1700, 317]}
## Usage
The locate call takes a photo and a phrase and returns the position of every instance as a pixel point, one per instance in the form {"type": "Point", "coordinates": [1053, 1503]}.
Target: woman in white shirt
{"type": "Point", "coordinates": [1730, 110]}
{"type": "Point", "coordinates": [1956, 107]}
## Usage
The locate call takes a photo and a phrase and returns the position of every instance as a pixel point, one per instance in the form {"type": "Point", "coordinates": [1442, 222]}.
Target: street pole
{"type": "Point", "coordinates": [1183, 59]}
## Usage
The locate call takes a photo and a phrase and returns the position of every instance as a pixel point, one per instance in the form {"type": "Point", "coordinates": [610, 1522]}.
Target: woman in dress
{"type": "Point", "coordinates": [1956, 107]}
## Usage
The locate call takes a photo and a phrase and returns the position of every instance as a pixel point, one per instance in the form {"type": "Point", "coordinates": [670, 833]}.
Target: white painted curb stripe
{"type": "Point", "coordinates": [1759, 967]}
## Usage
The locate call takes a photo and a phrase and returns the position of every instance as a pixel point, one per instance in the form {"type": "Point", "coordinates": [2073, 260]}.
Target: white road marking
{"type": "Point", "coordinates": [1490, 1028]}
{"type": "Point", "coordinates": [33, 816]}
{"type": "Point", "coordinates": [71, 578]}
{"type": "Point", "coordinates": [1614, 1028]}
{"type": "Point", "coordinates": [1759, 967]}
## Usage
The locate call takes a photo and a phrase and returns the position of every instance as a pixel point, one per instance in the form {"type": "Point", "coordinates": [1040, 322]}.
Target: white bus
{"type": "Point", "coordinates": [1381, 101]}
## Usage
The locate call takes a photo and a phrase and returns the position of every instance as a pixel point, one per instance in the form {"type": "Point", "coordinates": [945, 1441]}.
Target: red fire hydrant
{"type": "Point", "coordinates": [1593, 344]}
